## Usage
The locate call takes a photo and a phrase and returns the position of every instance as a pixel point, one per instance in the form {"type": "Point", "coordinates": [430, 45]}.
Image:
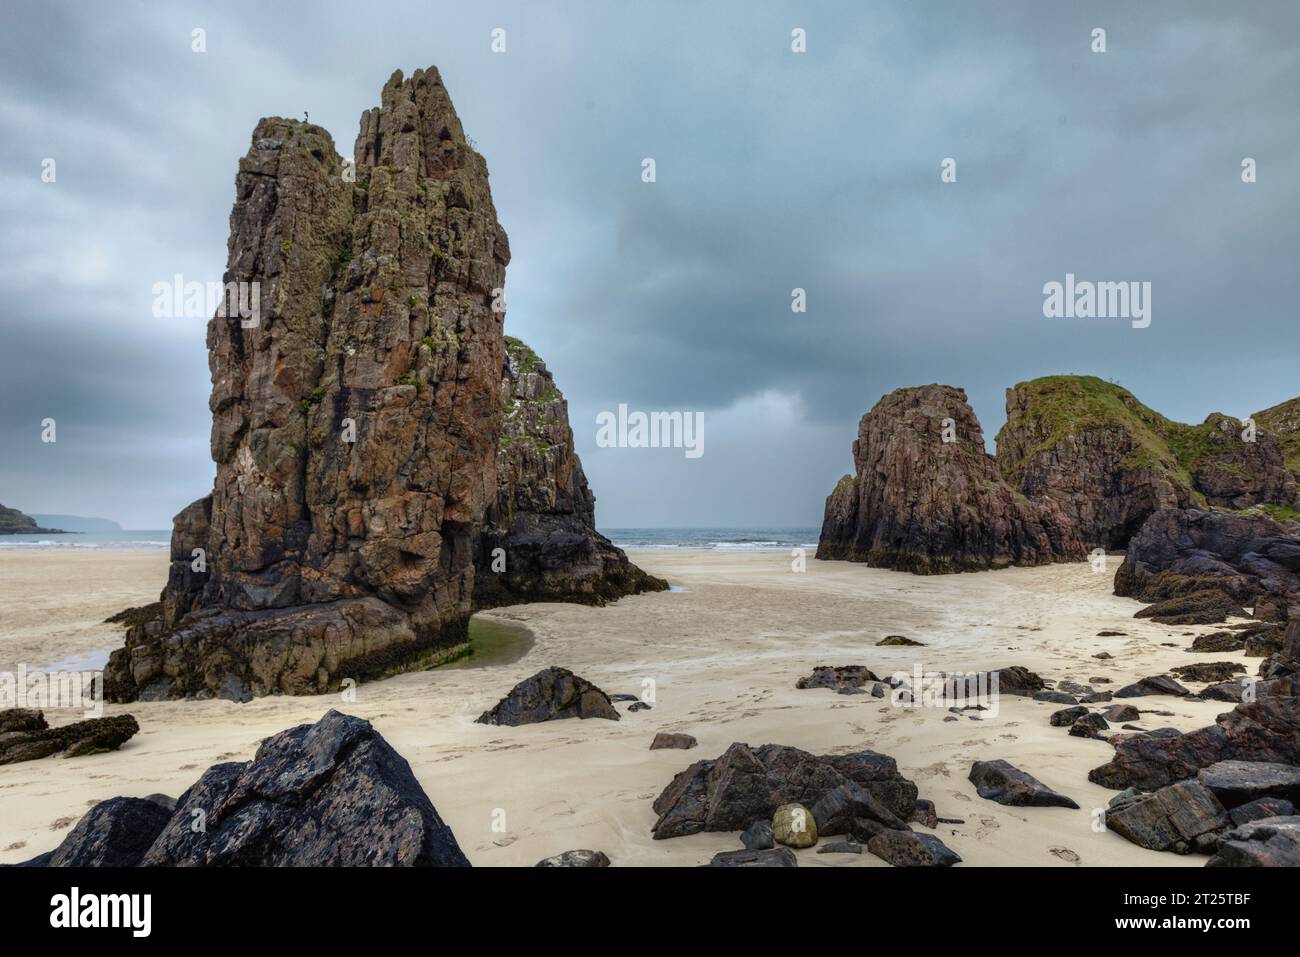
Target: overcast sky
{"type": "Point", "coordinates": [775, 170]}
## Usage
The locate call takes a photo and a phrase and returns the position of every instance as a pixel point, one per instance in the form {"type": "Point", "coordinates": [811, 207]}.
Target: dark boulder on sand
{"type": "Point", "coordinates": [578, 858]}
{"type": "Point", "coordinates": [747, 784]}
{"type": "Point", "coordinates": [549, 695]}
{"type": "Point", "coordinates": [333, 793]}
{"type": "Point", "coordinates": [113, 833]}
{"type": "Point", "coordinates": [1004, 783]}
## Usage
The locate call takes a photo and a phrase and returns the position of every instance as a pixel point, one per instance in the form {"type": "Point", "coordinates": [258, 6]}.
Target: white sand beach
{"type": "Point", "coordinates": [723, 652]}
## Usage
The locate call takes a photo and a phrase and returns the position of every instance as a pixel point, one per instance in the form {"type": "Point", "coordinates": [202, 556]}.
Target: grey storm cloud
{"type": "Point", "coordinates": [775, 170]}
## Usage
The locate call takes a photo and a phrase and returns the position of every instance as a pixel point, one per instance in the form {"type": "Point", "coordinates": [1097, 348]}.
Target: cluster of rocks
{"type": "Point", "coordinates": [779, 795]}
{"type": "Point", "coordinates": [1228, 789]}
{"type": "Point", "coordinates": [381, 453]}
{"type": "Point", "coordinates": [333, 793]}
{"type": "Point", "coordinates": [1081, 464]}
{"type": "Point", "coordinates": [25, 735]}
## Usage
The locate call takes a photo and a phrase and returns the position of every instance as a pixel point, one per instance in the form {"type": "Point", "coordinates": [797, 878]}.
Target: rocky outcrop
{"type": "Point", "coordinates": [26, 736]}
{"type": "Point", "coordinates": [1110, 462]}
{"type": "Point", "coordinates": [357, 425]}
{"type": "Point", "coordinates": [540, 542]}
{"type": "Point", "coordinates": [329, 794]}
{"type": "Point", "coordinates": [1283, 420]}
{"type": "Point", "coordinates": [926, 497]}
{"type": "Point", "coordinates": [14, 522]}
{"type": "Point", "coordinates": [550, 695]}
{"type": "Point", "coordinates": [1251, 559]}
{"type": "Point", "coordinates": [858, 792]}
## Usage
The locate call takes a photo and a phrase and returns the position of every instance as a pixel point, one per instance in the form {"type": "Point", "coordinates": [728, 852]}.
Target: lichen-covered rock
{"type": "Point", "coordinates": [357, 426]}
{"type": "Point", "coordinates": [333, 793]}
{"type": "Point", "coordinates": [28, 737]}
{"type": "Point", "coordinates": [1110, 462]}
{"type": "Point", "coordinates": [794, 826]}
{"type": "Point", "coordinates": [540, 541]}
{"type": "Point", "coordinates": [551, 694]}
{"type": "Point", "coordinates": [920, 503]}
{"type": "Point", "coordinates": [671, 739]}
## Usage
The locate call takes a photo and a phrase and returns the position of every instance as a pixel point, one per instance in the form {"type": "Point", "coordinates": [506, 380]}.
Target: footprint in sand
{"type": "Point", "coordinates": [61, 823]}
{"type": "Point", "coordinates": [1065, 854]}
{"type": "Point", "coordinates": [1008, 737]}
{"type": "Point", "coordinates": [987, 825]}
{"type": "Point", "coordinates": [959, 796]}
{"type": "Point", "coordinates": [16, 846]}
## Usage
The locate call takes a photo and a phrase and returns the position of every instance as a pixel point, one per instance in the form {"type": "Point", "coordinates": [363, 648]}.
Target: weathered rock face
{"type": "Point", "coordinates": [114, 833]}
{"type": "Point", "coordinates": [540, 542]}
{"type": "Point", "coordinates": [921, 504]}
{"type": "Point", "coordinates": [1110, 461]}
{"type": "Point", "coordinates": [1092, 448]}
{"type": "Point", "coordinates": [1180, 552]}
{"type": "Point", "coordinates": [1283, 420]}
{"type": "Point", "coordinates": [357, 420]}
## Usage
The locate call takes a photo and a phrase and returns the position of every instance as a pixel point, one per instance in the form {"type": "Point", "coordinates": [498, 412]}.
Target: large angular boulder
{"type": "Point", "coordinates": [551, 694]}
{"type": "Point", "coordinates": [746, 784]}
{"type": "Point", "coordinates": [333, 793]}
{"type": "Point", "coordinates": [926, 497]}
{"type": "Point", "coordinates": [1000, 781]}
{"type": "Point", "coordinates": [1182, 818]}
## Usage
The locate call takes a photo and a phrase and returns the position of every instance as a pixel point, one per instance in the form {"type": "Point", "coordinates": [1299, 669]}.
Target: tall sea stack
{"type": "Point", "coordinates": [356, 421]}
{"type": "Point", "coordinates": [927, 498]}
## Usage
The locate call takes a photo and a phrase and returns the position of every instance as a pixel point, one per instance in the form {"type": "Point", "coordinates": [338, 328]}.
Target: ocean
{"type": "Point", "coordinates": [738, 539]}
